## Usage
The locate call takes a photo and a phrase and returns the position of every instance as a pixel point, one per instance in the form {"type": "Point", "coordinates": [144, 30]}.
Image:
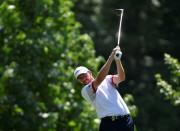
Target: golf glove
{"type": "Point", "coordinates": [117, 55]}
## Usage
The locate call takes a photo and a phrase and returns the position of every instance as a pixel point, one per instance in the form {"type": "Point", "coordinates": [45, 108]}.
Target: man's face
{"type": "Point", "coordinates": [85, 78]}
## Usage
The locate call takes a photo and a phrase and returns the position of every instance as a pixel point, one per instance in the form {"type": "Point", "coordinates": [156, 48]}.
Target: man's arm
{"type": "Point", "coordinates": [103, 71]}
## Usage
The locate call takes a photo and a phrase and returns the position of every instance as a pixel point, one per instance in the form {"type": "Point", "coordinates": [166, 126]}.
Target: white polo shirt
{"type": "Point", "coordinates": [106, 100]}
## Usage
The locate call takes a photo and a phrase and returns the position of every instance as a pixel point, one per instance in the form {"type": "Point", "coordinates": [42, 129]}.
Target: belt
{"type": "Point", "coordinates": [113, 118]}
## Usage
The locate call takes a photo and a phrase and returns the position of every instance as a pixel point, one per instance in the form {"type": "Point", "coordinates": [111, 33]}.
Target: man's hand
{"type": "Point", "coordinates": [117, 48]}
{"type": "Point", "coordinates": [114, 51]}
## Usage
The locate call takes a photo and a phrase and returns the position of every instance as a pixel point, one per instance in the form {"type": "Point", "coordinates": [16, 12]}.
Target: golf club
{"type": "Point", "coordinates": [118, 54]}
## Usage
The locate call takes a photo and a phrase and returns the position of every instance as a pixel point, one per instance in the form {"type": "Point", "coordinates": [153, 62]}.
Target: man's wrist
{"type": "Point", "coordinates": [111, 56]}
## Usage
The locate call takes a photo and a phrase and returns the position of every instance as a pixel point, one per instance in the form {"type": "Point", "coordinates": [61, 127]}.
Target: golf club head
{"type": "Point", "coordinates": [119, 9]}
{"type": "Point", "coordinates": [116, 11]}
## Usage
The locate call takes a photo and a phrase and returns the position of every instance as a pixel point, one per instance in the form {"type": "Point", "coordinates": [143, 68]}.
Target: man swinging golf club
{"type": "Point", "coordinates": [101, 92]}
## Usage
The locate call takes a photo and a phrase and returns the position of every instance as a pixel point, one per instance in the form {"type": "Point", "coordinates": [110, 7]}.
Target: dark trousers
{"type": "Point", "coordinates": [120, 124]}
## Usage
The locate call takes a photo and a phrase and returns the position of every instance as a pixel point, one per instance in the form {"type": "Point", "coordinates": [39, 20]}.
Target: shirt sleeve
{"type": "Point", "coordinates": [87, 93]}
{"type": "Point", "coordinates": [110, 80]}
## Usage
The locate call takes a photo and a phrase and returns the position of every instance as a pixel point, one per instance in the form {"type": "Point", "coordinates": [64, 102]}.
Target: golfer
{"type": "Point", "coordinates": [101, 92]}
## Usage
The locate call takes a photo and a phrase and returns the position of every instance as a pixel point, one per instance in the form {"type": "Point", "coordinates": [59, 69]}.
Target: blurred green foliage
{"type": "Point", "coordinates": [170, 88]}
{"type": "Point", "coordinates": [40, 45]}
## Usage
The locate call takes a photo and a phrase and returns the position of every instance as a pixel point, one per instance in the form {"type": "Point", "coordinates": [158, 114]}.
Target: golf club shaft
{"type": "Point", "coordinates": [119, 33]}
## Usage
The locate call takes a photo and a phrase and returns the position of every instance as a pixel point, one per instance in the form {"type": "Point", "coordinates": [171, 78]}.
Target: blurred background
{"type": "Point", "coordinates": [41, 43]}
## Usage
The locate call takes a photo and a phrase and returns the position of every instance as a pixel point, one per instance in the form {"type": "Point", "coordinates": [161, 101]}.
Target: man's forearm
{"type": "Point", "coordinates": [120, 70]}
{"type": "Point", "coordinates": [103, 71]}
